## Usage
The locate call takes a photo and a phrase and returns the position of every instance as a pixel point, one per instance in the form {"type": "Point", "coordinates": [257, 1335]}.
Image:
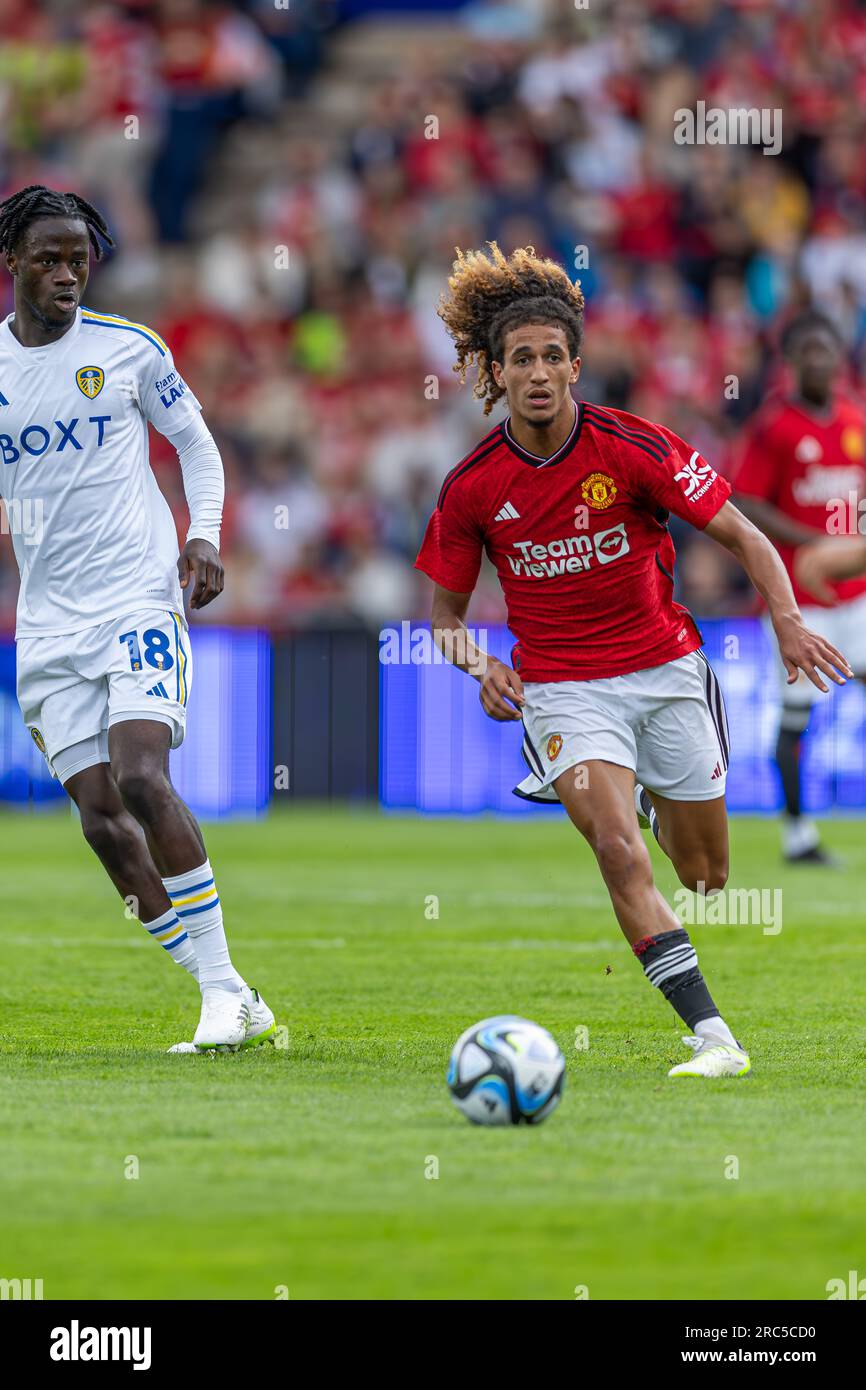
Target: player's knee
{"type": "Point", "coordinates": [703, 873]}
{"type": "Point", "coordinates": [143, 793]}
{"type": "Point", "coordinates": [619, 853]}
{"type": "Point", "coordinates": [104, 832]}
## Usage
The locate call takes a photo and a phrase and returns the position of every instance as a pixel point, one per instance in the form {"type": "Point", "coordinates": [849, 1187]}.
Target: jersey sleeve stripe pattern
{"type": "Point", "coordinates": [112, 321]}
{"type": "Point", "coordinates": [653, 444]}
{"type": "Point", "coordinates": [491, 441]}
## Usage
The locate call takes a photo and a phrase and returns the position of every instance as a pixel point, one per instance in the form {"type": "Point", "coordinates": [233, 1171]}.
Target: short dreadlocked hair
{"type": "Point", "coordinates": [20, 210]}
{"type": "Point", "coordinates": [489, 296]}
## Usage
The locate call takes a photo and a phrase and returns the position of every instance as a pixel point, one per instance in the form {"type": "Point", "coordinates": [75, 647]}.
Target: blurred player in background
{"type": "Point", "coordinates": [104, 665]}
{"type": "Point", "coordinates": [803, 460]}
{"type": "Point", "coordinates": [621, 710]}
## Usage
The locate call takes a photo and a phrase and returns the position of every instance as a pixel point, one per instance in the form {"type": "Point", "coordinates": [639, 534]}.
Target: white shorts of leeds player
{"type": "Point", "coordinates": [72, 688]}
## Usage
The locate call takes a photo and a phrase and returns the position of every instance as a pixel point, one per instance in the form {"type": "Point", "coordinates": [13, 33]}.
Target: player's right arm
{"type": "Point", "coordinates": [501, 690]}
{"type": "Point", "coordinates": [451, 555]}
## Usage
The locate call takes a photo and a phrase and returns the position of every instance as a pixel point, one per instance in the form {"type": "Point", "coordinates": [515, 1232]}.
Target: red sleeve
{"type": "Point", "coordinates": [453, 544]}
{"type": "Point", "coordinates": [682, 482]}
{"type": "Point", "coordinates": [755, 472]}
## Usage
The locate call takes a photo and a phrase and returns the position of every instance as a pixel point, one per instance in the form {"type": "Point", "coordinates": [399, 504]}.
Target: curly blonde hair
{"type": "Point", "coordinates": [489, 295]}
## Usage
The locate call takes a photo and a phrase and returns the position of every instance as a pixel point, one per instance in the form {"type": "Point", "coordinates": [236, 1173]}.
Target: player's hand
{"type": "Point", "coordinates": [501, 691]}
{"type": "Point", "coordinates": [802, 650]}
{"type": "Point", "coordinates": [200, 565]}
{"type": "Point", "coordinates": [836, 557]}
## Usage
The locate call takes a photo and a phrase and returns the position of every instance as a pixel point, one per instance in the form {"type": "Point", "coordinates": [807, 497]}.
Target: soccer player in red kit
{"type": "Point", "coordinates": [801, 473]}
{"type": "Point", "coordinates": [620, 708]}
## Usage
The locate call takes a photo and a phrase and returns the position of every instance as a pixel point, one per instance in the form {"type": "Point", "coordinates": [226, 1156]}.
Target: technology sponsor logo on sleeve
{"type": "Point", "coordinates": [696, 477]}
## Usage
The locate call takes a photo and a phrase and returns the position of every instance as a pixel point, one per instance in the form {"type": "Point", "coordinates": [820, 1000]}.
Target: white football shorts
{"type": "Point", "coordinates": [72, 688]}
{"type": "Point", "coordinates": [844, 626]}
{"type": "Point", "coordinates": [668, 724]}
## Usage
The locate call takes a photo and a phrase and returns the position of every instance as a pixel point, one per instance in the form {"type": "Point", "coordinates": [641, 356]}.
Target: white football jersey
{"type": "Point", "coordinates": [93, 535]}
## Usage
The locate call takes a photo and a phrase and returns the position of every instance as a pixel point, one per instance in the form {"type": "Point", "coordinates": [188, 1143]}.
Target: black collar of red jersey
{"type": "Point", "coordinates": [535, 460]}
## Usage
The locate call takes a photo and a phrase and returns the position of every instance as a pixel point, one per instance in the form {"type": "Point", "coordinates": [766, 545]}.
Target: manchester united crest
{"type": "Point", "coordinates": [599, 491]}
{"type": "Point", "coordinates": [554, 744]}
{"type": "Point", "coordinates": [90, 381]}
{"type": "Point", "coordinates": [852, 442]}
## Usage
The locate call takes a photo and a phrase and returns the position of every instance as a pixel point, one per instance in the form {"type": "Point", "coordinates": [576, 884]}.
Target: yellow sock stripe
{"type": "Point", "coordinates": [200, 897]}
{"type": "Point", "coordinates": [128, 323]}
{"type": "Point", "coordinates": [167, 936]}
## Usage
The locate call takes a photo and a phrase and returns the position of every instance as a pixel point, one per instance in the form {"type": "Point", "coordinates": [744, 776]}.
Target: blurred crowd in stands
{"type": "Point", "coordinates": [286, 221]}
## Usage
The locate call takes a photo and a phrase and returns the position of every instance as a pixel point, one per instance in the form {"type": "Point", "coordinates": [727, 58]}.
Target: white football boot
{"type": "Point", "coordinates": [262, 1025]}
{"type": "Point", "coordinates": [224, 1017]}
{"type": "Point", "coordinates": [643, 819]}
{"type": "Point", "coordinates": [713, 1059]}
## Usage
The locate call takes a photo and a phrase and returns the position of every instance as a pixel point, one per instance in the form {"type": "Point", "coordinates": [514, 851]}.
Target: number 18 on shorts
{"type": "Point", "coordinates": [74, 686]}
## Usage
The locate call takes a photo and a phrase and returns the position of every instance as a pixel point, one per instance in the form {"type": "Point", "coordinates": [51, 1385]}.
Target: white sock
{"type": "Point", "coordinates": [715, 1030]}
{"type": "Point", "coordinates": [799, 834]}
{"type": "Point", "coordinates": [195, 900]}
{"type": "Point", "coordinates": [171, 934]}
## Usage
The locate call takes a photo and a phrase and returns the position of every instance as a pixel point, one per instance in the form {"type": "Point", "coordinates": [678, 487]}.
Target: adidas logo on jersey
{"type": "Point", "coordinates": [3, 400]}
{"type": "Point", "coordinates": [159, 690]}
{"type": "Point", "coordinates": [507, 513]}
{"type": "Point", "coordinates": [717, 772]}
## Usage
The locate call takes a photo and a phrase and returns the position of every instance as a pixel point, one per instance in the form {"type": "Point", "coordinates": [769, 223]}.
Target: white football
{"type": "Point", "coordinates": [506, 1071]}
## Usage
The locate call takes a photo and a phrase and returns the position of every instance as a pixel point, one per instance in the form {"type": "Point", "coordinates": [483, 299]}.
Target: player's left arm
{"type": "Point", "coordinates": [834, 557]}
{"type": "Point", "coordinates": [170, 406]}
{"type": "Point", "coordinates": [199, 563]}
{"type": "Point", "coordinates": [800, 648]}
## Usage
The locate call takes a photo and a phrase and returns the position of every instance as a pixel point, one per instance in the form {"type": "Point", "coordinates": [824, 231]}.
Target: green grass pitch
{"type": "Point", "coordinates": [305, 1168]}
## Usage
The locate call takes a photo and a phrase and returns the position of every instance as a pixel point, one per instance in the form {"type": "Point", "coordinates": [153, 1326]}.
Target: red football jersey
{"type": "Point", "coordinates": [801, 461]}
{"type": "Point", "coordinates": [579, 540]}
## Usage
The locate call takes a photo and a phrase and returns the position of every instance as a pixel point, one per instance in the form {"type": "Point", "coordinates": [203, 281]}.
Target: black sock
{"type": "Point", "coordinates": [791, 730]}
{"type": "Point", "coordinates": [670, 963]}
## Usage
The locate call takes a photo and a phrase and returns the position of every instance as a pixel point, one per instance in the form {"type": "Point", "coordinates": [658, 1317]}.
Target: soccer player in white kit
{"type": "Point", "coordinates": [104, 662]}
